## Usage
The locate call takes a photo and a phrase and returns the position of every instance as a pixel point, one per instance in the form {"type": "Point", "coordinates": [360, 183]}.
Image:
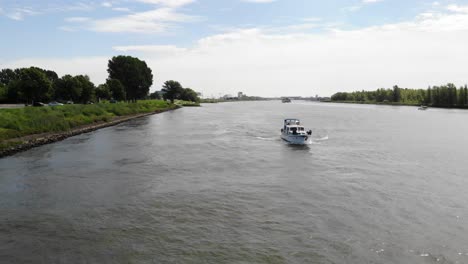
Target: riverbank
{"type": "Point", "coordinates": [373, 103]}
{"type": "Point", "coordinates": [22, 129]}
{"type": "Point", "coordinates": [394, 104]}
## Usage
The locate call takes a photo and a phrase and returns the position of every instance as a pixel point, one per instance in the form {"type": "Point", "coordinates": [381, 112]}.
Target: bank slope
{"type": "Point", "coordinates": [30, 126]}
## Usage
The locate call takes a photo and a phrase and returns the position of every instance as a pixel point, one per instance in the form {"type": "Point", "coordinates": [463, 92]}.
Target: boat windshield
{"type": "Point", "coordinates": [290, 122]}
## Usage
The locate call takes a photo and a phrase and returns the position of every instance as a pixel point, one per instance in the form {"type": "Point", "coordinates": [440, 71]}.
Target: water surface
{"type": "Point", "coordinates": [379, 184]}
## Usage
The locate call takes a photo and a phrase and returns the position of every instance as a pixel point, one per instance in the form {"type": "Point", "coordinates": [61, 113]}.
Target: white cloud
{"type": "Point", "coordinates": [426, 51]}
{"type": "Point", "coordinates": [20, 13]}
{"type": "Point", "coordinates": [429, 50]}
{"type": "Point", "coordinates": [311, 19]}
{"type": "Point", "coordinates": [458, 9]}
{"type": "Point", "coordinates": [352, 8]}
{"type": "Point", "coordinates": [154, 49]}
{"type": "Point", "coordinates": [371, 1]}
{"type": "Point", "coordinates": [158, 19]}
{"type": "Point", "coordinates": [121, 9]}
{"type": "Point", "coordinates": [359, 6]}
{"type": "Point", "coordinates": [94, 67]}
{"type": "Point", "coordinates": [169, 3]}
{"type": "Point", "coordinates": [106, 4]}
{"type": "Point", "coordinates": [259, 1]}
{"type": "Point", "coordinates": [77, 19]}
{"type": "Point", "coordinates": [67, 29]}
{"type": "Point", "coordinates": [153, 21]}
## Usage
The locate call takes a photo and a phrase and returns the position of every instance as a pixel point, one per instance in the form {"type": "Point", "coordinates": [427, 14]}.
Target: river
{"type": "Point", "coordinates": [379, 184]}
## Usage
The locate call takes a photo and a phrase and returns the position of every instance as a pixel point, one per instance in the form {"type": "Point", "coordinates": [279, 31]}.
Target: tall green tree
{"type": "Point", "coordinates": [117, 89]}
{"type": "Point", "coordinates": [33, 85]}
{"type": "Point", "coordinates": [155, 95]}
{"type": "Point", "coordinates": [172, 90]}
{"type": "Point", "coordinates": [68, 88]}
{"type": "Point", "coordinates": [189, 95]}
{"type": "Point", "coordinates": [466, 94]}
{"type": "Point", "coordinates": [396, 94]}
{"type": "Point", "coordinates": [3, 94]}
{"type": "Point", "coordinates": [88, 88]}
{"type": "Point", "coordinates": [133, 73]}
{"type": "Point", "coordinates": [103, 92]}
{"type": "Point", "coordinates": [8, 75]}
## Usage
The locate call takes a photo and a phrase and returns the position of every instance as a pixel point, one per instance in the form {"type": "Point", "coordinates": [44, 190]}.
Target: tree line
{"type": "Point", "coordinates": [129, 79]}
{"type": "Point", "coordinates": [439, 96]}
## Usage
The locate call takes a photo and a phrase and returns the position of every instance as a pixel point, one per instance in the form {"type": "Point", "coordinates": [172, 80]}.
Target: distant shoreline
{"type": "Point", "coordinates": [393, 104]}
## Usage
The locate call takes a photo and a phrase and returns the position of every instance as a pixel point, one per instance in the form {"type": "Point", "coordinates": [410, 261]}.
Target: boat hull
{"type": "Point", "coordinates": [296, 139]}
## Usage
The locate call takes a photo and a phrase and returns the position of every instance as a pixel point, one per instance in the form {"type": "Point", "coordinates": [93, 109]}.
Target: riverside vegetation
{"type": "Point", "coordinates": [19, 122]}
{"type": "Point", "coordinates": [127, 87]}
{"type": "Point", "coordinates": [129, 80]}
{"type": "Point", "coordinates": [447, 96]}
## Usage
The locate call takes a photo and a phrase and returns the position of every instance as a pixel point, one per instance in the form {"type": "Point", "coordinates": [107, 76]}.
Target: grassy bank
{"type": "Point", "coordinates": [186, 103]}
{"type": "Point", "coordinates": [15, 123]}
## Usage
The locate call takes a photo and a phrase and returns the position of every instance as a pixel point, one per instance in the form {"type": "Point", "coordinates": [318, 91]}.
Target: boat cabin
{"type": "Point", "coordinates": [291, 122]}
{"type": "Point", "coordinates": [293, 126]}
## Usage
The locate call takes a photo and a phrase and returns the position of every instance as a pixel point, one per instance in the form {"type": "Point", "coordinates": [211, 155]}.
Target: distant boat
{"type": "Point", "coordinates": [294, 133]}
{"type": "Point", "coordinates": [422, 107]}
{"type": "Point", "coordinates": [286, 100]}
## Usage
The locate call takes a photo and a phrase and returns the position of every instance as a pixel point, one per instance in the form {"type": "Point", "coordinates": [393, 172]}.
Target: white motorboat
{"type": "Point", "coordinates": [422, 107]}
{"type": "Point", "coordinates": [294, 133]}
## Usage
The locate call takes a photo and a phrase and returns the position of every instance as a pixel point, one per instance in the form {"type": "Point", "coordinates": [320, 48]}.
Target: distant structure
{"type": "Point", "coordinates": [240, 95]}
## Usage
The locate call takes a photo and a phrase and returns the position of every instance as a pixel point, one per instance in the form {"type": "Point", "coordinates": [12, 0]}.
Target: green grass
{"type": "Point", "coordinates": [9, 144]}
{"type": "Point", "coordinates": [186, 103]}
{"type": "Point", "coordinates": [210, 101]}
{"type": "Point", "coordinates": [20, 122]}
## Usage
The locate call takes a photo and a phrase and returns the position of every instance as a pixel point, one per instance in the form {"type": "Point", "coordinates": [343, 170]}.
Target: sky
{"type": "Point", "coordinates": [259, 47]}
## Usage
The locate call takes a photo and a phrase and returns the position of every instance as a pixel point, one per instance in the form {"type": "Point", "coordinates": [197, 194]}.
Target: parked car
{"type": "Point", "coordinates": [38, 104]}
{"type": "Point", "coordinates": [54, 103]}
{"type": "Point", "coordinates": [69, 102]}
{"type": "Point", "coordinates": [112, 101]}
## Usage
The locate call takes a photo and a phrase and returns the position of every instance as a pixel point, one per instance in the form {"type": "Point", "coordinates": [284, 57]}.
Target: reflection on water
{"type": "Point", "coordinates": [217, 185]}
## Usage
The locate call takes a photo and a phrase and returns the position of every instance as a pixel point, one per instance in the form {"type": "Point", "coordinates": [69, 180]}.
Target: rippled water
{"type": "Point", "coordinates": [216, 184]}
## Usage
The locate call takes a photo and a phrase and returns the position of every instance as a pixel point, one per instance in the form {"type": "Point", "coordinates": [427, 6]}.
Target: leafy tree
{"type": "Point", "coordinates": [466, 94]}
{"type": "Point", "coordinates": [444, 96]}
{"type": "Point", "coordinates": [117, 89]}
{"type": "Point", "coordinates": [396, 94]}
{"type": "Point", "coordinates": [429, 96]}
{"type": "Point", "coordinates": [133, 73]}
{"type": "Point", "coordinates": [172, 90]}
{"type": "Point", "coordinates": [33, 85]}
{"type": "Point", "coordinates": [103, 92]}
{"type": "Point", "coordinates": [3, 93]}
{"type": "Point", "coordinates": [51, 75]}
{"type": "Point", "coordinates": [189, 95]}
{"type": "Point", "coordinates": [13, 94]}
{"type": "Point", "coordinates": [8, 75]}
{"type": "Point", "coordinates": [155, 95]}
{"type": "Point", "coordinates": [68, 88]}
{"type": "Point", "coordinates": [87, 93]}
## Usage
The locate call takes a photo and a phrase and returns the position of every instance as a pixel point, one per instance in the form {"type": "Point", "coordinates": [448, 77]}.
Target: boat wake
{"type": "Point", "coordinates": [267, 139]}
{"type": "Point", "coordinates": [321, 139]}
